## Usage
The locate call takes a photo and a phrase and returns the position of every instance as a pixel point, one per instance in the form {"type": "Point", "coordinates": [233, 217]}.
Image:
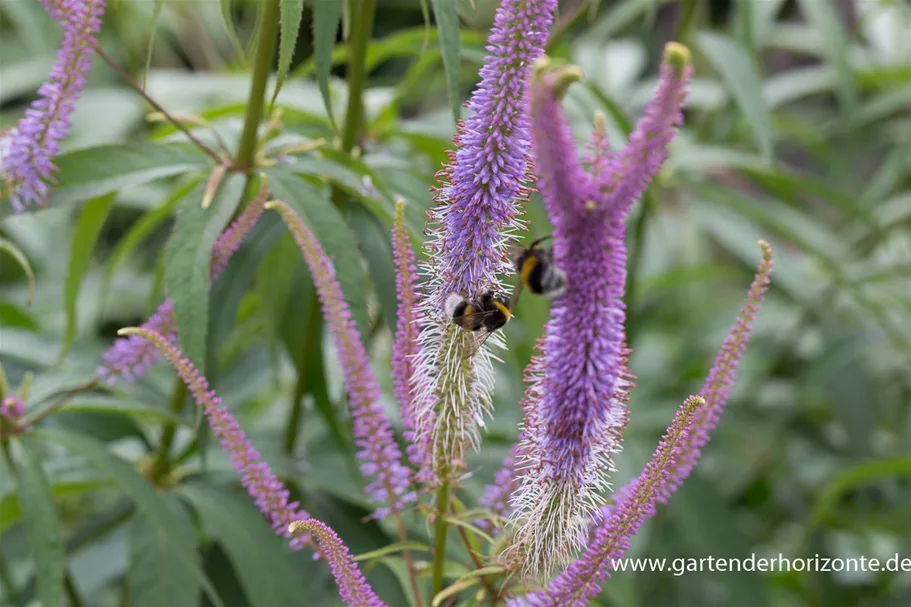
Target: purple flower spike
{"type": "Point", "coordinates": [131, 357]}
{"type": "Point", "coordinates": [406, 345]}
{"type": "Point", "coordinates": [26, 157]}
{"type": "Point", "coordinates": [582, 580]}
{"type": "Point", "coordinates": [631, 171]}
{"type": "Point", "coordinates": [469, 231]}
{"type": "Point", "coordinates": [576, 404]}
{"type": "Point", "coordinates": [269, 494]}
{"type": "Point", "coordinates": [380, 456]}
{"type": "Point", "coordinates": [234, 235]}
{"type": "Point", "coordinates": [723, 373]}
{"type": "Point", "coordinates": [352, 586]}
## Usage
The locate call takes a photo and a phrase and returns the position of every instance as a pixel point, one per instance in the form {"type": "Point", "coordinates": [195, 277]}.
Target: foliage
{"type": "Point", "coordinates": [796, 131]}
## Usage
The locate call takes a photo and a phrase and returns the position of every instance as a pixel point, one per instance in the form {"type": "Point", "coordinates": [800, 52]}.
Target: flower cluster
{"type": "Point", "coordinates": [553, 486]}
{"type": "Point", "coordinates": [27, 150]}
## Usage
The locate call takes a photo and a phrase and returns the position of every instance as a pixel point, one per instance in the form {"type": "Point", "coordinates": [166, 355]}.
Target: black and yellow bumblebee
{"type": "Point", "coordinates": [535, 266]}
{"type": "Point", "coordinates": [481, 315]}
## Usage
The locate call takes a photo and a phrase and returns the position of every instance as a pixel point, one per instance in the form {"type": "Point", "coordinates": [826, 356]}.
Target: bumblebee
{"type": "Point", "coordinates": [535, 266]}
{"type": "Point", "coordinates": [481, 316]}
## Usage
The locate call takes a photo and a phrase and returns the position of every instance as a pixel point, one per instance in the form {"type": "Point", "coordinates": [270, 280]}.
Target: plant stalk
{"type": "Point", "coordinates": [162, 464]}
{"type": "Point", "coordinates": [362, 12]}
{"type": "Point", "coordinates": [439, 544]}
{"type": "Point", "coordinates": [262, 67]}
{"type": "Point", "coordinates": [301, 387]}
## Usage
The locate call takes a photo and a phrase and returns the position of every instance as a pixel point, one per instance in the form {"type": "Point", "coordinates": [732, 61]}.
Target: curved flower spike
{"type": "Point", "coordinates": [469, 231]}
{"type": "Point", "coordinates": [269, 494]}
{"type": "Point", "coordinates": [352, 586]}
{"type": "Point", "coordinates": [724, 371]}
{"type": "Point", "coordinates": [380, 456]}
{"type": "Point", "coordinates": [130, 357]}
{"type": "Point", "coordinates": [27, 150]}
{"type": "Point", "coordinates": [582, 580]}
{"type": "Point", "coordinates": [631, 171]}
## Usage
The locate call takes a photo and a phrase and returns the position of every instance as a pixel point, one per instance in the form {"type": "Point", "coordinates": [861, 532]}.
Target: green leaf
{"type": "Point", "coordinates": [261, 559]}
{"type": "Point", "coordinates": [291, 11]}
{"type": "Point", "coordinates": [109, 405]}
{"type": "Point", "coordinates": [228, 20]}
{"type": "Point", "coordinates": [156, 15]}
{"type": "Point", "coordinates": [93, 172]}
{"type": "Point", "coordinates": [141, 230]}
{"type": "Point", "coordinates": [741, 74]}
{"type": "Point", "coordinates": [85, 235]}
{"type": "Point", "coordinates": [326, 17]}
{"type": "Point", "coordinates": [334, 236]}
{"type": "Point", "coordinates": [14, 252]}
{"type": "Point", "coordinates": [157, 576]}
{"type": "Point", "coordinates": [41, 525]}
{"type": "Point", "coordinates": [859, 474]}
{"type": "Point", "coordinates": [138, 489]}
{"type": "Point", "coordinates": [187, 259]}
{"type": "Point", "coordinates": [376, 243]}
{"type": "Point", "coordinates": [446, 13]}
{"type": "Point", "coordinates": [823, 14]}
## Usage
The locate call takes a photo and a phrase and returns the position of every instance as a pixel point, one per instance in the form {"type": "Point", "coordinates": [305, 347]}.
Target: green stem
{"type": "Point", "coordinates": [301, 387]}
{"type": "Point", "coordinates": [162, 463]}
{"type": "Point", "coordinates": [71, 592]}
{"type": "Point", "coordinates": [362, 12]}
{"type": "Point", "coordinates": [262, 67]}
{"type": "Point", "coordinates": [687, 18]}
{"type": "Point", "coordinates": [6, 581]}
{"type": "Point", "coordinates": [439, 544]}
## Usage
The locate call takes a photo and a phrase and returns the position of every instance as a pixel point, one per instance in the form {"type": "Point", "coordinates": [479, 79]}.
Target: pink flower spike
{"type": "Point", "coordinates": [352, 586]}
{"type": "Point", "coordinates": [28, 149]}
{"type": "Point", "coordinates": [406, 345]}
{"type": "Point", "coordinates": [269, 494]}
{"type": "Point", "coordinates": [381, 458]}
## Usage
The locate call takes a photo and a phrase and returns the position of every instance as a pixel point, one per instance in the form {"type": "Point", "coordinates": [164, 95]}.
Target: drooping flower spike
{"type": "Point", "coordinates": [576, 403]}
{"type": "Point", "coordinates": [269, 494]}
{"type": "Point", "coordinates": [27, 150]}
{"type": "Point", "coordinates": [130, 357]}
{"type": "Point", "coordinates": [469, 232]}
{"type": "Point", "coordinates": [352, 586]}
{"type": "Point", "coordinates": [381, 458]}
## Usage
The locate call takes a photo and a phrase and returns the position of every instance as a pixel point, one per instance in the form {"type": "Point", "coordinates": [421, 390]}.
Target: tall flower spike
{"type": "Point", "coordinates": [352, 586]}
{"type": "Point", "coordinates": [469, 232]}
{"type": "Point", "coordinates": [269, 494]}
{"type": "Point", "coordinates": [406, 345]}
{"type": "Point", "coordinates": [576, 410]}
{"type": "Point", "coordinates": [26, 158]}
{"type": "Point", "coordinates": [130, 357]}
{"type": "Point", "coordinates": [575, 405]}
{"type": "Point", "coordinates": [582, 580]}
{"type": "Point", "coordinates": [724, 371]}
{"type": "Point", "coordinates": [380, 456]}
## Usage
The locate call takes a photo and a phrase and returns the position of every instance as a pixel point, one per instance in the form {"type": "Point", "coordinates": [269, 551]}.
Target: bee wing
{"type": "Point", "coordinates": [476, 341]}
{"type": "Point", "coordinates": [520, 284]}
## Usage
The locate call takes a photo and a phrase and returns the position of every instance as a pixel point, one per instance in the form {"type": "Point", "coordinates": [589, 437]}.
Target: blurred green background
{"type": "Point", "coordinates": [797, 131]}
